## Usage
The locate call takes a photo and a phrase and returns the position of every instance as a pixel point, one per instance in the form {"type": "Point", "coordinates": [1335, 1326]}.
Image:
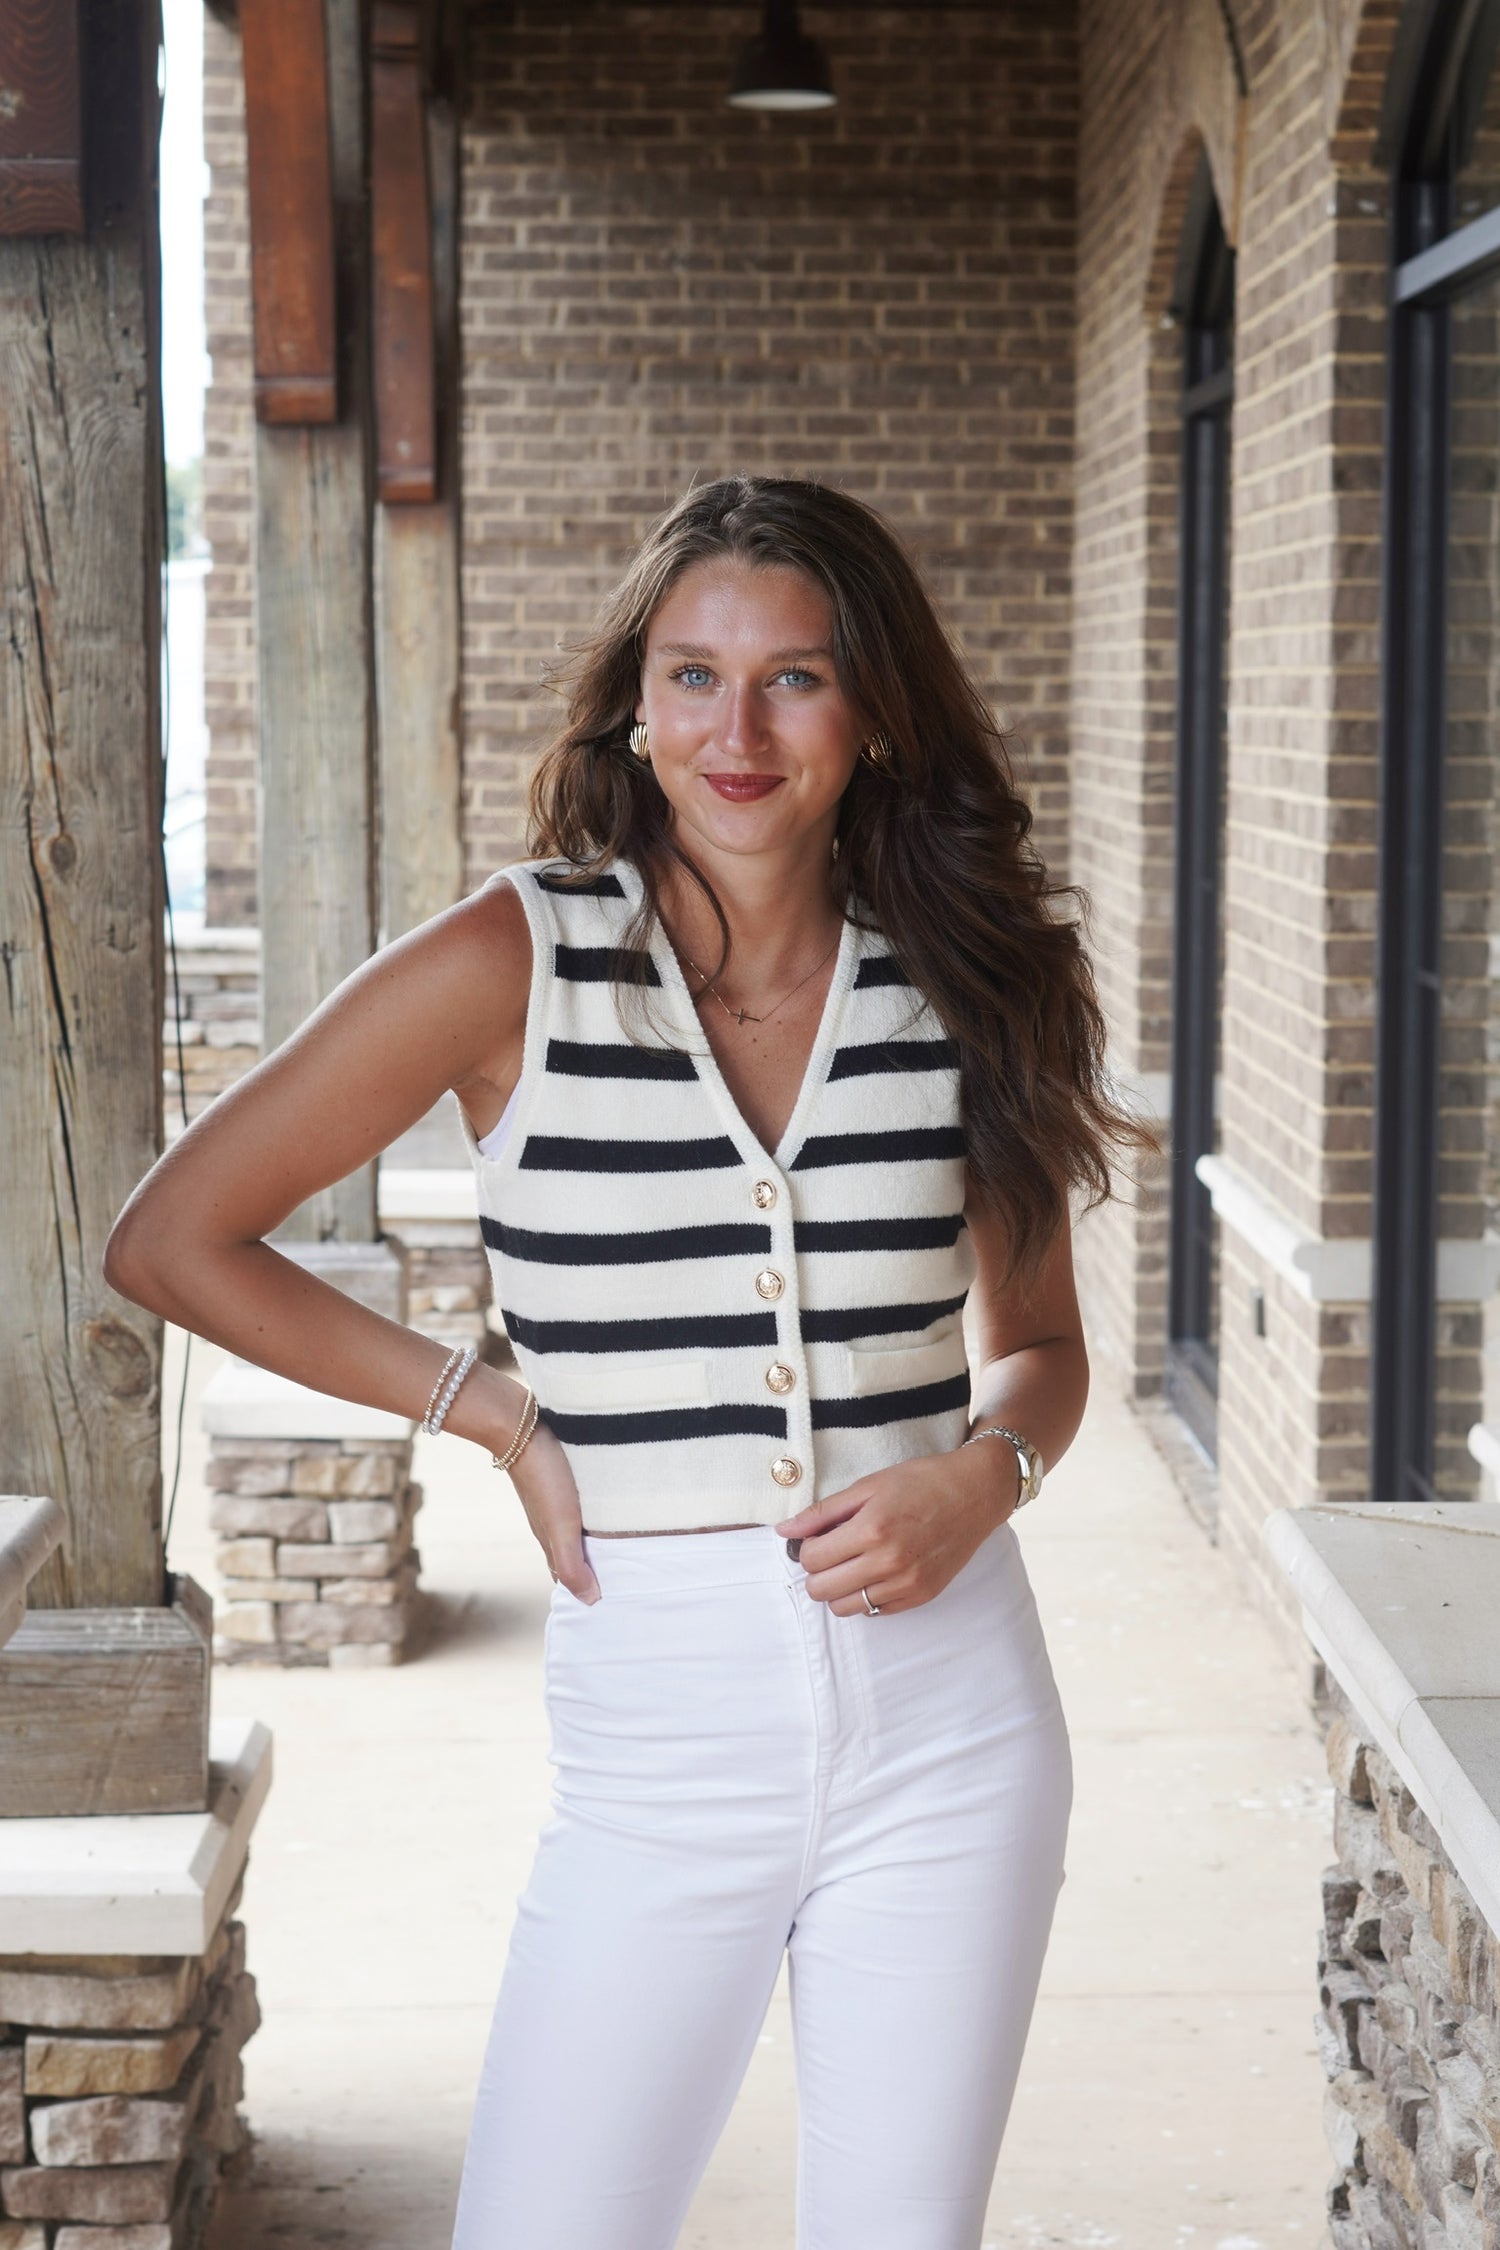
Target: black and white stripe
{"type": "Point", "coordinates": [626, 1241]}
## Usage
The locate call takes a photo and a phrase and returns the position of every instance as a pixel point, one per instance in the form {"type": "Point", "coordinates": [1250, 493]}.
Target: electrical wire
{"type": "Point", "coordinates": [164, 659]}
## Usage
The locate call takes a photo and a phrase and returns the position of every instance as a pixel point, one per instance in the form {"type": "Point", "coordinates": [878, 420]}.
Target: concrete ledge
{"type": "Point", "coordinates": [444, 1196]}
{"type": "Point", "coordinates": [31, 1529]}
{"type": "Point", "coordinates": [1484, 1445]}
{"type": "Point", "coordinates": [248, 1402]}
{"type": "Point", "coordinates": [1335, 1272]}
{"type": "Point", "coordinates": [1402, 1604]}
{"type": "Point", "coordinates": [143, 1883]}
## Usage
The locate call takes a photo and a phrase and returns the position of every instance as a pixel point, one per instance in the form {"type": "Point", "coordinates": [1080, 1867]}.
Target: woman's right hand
{"type": "Point", "coordinates": [544, 1482]}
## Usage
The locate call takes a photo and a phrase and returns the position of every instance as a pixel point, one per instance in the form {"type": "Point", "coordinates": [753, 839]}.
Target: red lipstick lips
{"type": "Point", "coordinates": [743, 788]}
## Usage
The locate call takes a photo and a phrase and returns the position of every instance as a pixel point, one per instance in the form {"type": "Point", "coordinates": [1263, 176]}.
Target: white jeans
{"type": "Point", "coordinates": [741, 1773]}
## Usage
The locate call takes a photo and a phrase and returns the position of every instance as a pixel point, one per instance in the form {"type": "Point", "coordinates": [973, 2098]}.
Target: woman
{"type": "Point", "coordinates": [774, 1050]}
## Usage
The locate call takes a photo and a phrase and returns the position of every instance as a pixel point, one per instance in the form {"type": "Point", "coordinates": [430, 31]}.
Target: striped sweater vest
{"type": "Point", "coordinates": [715, 1333]}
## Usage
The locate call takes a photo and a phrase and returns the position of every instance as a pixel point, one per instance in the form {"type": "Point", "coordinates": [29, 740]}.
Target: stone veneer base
{"type": "Point", "coordinates": [313, 1508]}
{"type": "Point", "coordinates": [125, 2004]}
{"type": "Point", "coordinates": [1409, 2021]}
{"type": "Point", "coordinates": [120, 2077]}
{"type": "Point", "coordinates": [1401, 1603]}
{"type": "Point", "coordinates": [314, 1549]}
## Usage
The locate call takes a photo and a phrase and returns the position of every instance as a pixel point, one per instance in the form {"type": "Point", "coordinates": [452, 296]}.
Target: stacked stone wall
{"type": "Point", "coordinates": [314, 1547]}
{"type": "Point", "coordinates": [1408, 2024]}
{"type": "Point", "coordinates": [119, 2080]}
{"type": "Point", "coordinates": [448, 1286]}
{"type": "Point", "coordinates": [218, 1036]}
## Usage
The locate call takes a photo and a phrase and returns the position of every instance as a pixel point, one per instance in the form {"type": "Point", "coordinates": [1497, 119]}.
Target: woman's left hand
{"type": "Point", "coordinates": [904, 1532]}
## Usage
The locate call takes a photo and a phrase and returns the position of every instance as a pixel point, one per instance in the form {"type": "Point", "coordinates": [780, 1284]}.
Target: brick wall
{"type": "Point", "coordinates": [228, 509]}
{"type": "Point", "coordinates": [1294, 166]}
{"type": "Point", "coordinates": [1304, 701]}
{"type": "Point", "coordinates": [899, 296]}
{"type": "Point", "coordinates": [657, 288]}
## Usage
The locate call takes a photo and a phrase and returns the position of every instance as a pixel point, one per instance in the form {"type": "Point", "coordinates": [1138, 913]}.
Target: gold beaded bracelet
{"type": "Point", "coordinates": [525, 1430]}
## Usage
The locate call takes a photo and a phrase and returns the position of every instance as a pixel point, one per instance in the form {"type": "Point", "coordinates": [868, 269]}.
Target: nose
{"type": "Point", "coordinates": [743, 731]}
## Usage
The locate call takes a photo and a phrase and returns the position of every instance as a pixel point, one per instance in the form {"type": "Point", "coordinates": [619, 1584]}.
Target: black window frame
{"type": "Point", "coordinates": [1203, 301]}
{"type": "Point", "coordinates": [1433, 262]}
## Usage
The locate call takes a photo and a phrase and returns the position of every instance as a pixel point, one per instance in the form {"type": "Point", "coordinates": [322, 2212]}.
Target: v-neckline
{"type": "Point", "coordinates": [748, 1142]}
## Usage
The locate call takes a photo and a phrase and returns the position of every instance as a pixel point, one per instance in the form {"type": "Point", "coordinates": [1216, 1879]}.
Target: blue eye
{"type": "Point", "coordinates": [700, 671]}
{"type": "Point", "coordinates": [801, 676]}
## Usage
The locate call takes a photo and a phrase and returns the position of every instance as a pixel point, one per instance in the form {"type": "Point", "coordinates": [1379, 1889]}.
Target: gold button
{"type": "Point", "coordinates": [768, 1282]}
{"type": "Point", "coordinates": [763, 1194]}
{"type": "Point", "coordinates": [785, 1470]}
{"type": "Point", "coordinates": [779, 1377]}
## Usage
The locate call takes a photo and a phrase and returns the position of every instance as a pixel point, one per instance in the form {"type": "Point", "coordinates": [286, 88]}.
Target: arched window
{"type": "Point", "coordinates": [1437, 1152]}
{"type": "Point", "coordinates": [1204, 302]}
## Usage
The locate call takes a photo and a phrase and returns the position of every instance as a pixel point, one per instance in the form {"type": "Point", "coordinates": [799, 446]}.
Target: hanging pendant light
{"type": "Point", "coordinates": [780, 69]}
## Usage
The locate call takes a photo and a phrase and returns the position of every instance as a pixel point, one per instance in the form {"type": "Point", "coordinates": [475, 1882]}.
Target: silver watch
{"type": "Point", "coordinates": [1026, 1454]}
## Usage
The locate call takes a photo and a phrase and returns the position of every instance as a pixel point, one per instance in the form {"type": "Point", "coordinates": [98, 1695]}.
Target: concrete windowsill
{"type": "Point", "coordinates": [1402, 1603]}
{"type": "Point", "coordinates": [1327, 1271]}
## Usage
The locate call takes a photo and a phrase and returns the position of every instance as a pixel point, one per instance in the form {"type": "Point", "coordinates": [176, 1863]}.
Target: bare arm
{"type": "Point", "coordinates": [906, 1531]}
{"type": "Point", "coordinates": [1034, 1364]}
{"type": "Point", "coordinates": [444, 1007]}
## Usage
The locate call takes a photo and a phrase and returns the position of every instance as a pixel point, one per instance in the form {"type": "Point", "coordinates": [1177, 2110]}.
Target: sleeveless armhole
{"type": "Point", "coordinates": [534, 1049]}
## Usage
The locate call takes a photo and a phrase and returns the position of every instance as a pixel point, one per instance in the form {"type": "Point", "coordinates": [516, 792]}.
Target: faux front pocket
{"type": "Point", "coordinates": [621, 1383]}
{"type": "Point", "coordinates": [905, 1367]}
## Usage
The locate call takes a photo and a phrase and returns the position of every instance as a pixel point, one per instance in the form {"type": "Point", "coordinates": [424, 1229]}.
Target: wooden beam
{"type": "Point", "coordinates": [106, 1710]}
{"type": "Point", "coordinates": [401, 269]}
{"type": "Point", "coordinates": [81, 900]}
{"type": "Point", "coordinates": [292, 258]}
{"type": "Point", "coordinates": [41, 119]}
{"type": "Point", "coordinates": [315, 657]}
{"type": "Point", "coordinates": [417, 608]}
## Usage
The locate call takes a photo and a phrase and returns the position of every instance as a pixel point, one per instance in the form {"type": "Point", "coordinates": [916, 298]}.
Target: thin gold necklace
{"type": "Point", "coordinates": [743, 1015]}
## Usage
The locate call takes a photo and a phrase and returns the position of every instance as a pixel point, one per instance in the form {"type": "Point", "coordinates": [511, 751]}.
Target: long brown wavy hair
{"type": "Point", "coordinates": [937, 853]}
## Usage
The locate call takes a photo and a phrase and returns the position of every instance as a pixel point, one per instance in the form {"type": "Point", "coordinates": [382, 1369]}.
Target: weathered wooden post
{"type": "Point", "coordinates": [313, 1502]}
{"type": "Point", "coordinates": [81, 903]}
{"type": "Point", "coordinates": [114, 1919]}
{"type": "Point", "coordinates": [414, 192]}
{"type": "Point", "coordinates": [306, 127]}
{"type": "Point", "coordinates": [80, 737]}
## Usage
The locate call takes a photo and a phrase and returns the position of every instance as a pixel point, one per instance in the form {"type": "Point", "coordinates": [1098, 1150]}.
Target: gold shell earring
{"type": "Point", "coordinates": [640, 741]}
{"type": "Point", "coordinates": [877, 752]}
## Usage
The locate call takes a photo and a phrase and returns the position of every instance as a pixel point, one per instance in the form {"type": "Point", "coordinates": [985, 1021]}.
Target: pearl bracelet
{"type": "Point", "coordinates": [446, 1389]}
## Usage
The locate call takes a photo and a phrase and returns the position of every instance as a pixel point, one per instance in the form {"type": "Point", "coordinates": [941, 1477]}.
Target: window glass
{"type": "Point", "coordinates": [1469, 1166]}
{"type": "Point", "coordinates": [1475, 154]}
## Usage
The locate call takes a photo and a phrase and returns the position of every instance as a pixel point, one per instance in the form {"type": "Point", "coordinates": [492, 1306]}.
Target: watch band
{"type": "Point", "coordinates": [1025, 1452]}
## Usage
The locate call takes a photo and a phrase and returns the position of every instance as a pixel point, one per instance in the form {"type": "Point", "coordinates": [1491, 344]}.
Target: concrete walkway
{"type": "Point", "coordinates": [1171, 2096]}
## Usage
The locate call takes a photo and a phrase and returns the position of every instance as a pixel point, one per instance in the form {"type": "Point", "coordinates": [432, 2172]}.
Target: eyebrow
{"type": "Point", "coordinates": [777, 656]}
